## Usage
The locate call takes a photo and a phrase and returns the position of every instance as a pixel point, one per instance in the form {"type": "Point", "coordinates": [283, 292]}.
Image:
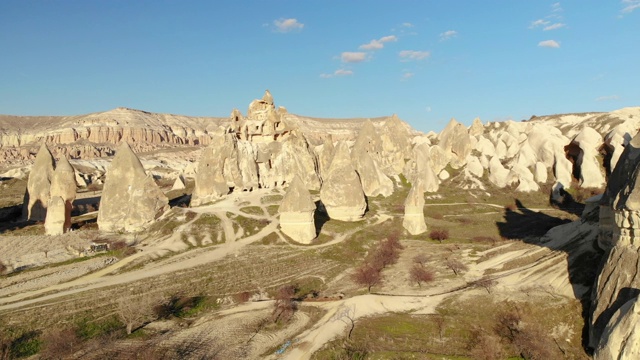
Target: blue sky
{"type": "Point", "coordinates": [426, 61]}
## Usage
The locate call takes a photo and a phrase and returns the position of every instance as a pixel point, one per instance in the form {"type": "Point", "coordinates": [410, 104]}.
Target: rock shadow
{"type": "Point", "coordinates": [524, 224]}
{"type": "Point", "coordinates": [320, 216]}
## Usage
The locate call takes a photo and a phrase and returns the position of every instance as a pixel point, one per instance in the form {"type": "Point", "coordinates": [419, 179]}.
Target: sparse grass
{"type": "Point", "coordinates": [252, 210]}
{"type": "Point", "coordinates": [270, 199]}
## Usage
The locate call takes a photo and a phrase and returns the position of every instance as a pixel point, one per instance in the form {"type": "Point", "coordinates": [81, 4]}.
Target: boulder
{"type": "Point", "coordinates": [296, 213]}
{"type": "Point", "coordinates": [341, 193]}
{"type": "Point", "coordinates": [131, 200]}
{"type": "Point", "coordinates": [413, 220]}
{"type": "Point", "coordinates": [36, 198]}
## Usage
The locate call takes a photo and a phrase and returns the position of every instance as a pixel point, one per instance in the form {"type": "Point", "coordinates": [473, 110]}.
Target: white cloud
{"type": "Point", "coordinates": [379, 43]}
{"type": "Point", "coordinates": [607, 98]}
{"type": "Point", "coordinates": [539, 22]}
{"type": "Point", "coordinates": [353, 57]}
{"type": "Point", "coordinates": [554, 26]}
{"type": "Point", "coordinates": [407, 75]}
{"type": "Point", "coordinates": [555, 7]}
{"type": "Point", "coordinates": [407, 24]}
{"type": "Point", "coordinates": [549, 44]}
{"type": "Point", "coordinates": [287, 25]}
{"type": "Point", "coordinates": [448, 35]}
{"type": "Point", "coordinates": [428, 109]}
{"type": "Point", "coordinates": [630, 5]}
{"type": "Point", "coordinates": [339, 72]}
{"type": "Point", "coordinates": [407, 55]}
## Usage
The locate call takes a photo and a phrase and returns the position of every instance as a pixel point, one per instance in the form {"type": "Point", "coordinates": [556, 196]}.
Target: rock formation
{"type": "Point", "coordinates": [618, 281]}
{"type": "Point", "coordinates": [455, 139]}
{"type": "Point", "coordinates": [583, 149]}
{"type": "Point", "coordinates": [296, 213]}
{"type": "Point", "coordinates": [63, 191]}
{"type": "Point", "coordinates": [413, 220]}
{"type": "Point", "coordinates": [179, 183]}
{"type": "Point", "coordinates": [131, 200]}
{"type": "Point", "coordinates": [341, 192]}
{"type": "Point", "coordinates": [420, 169]}
{"type": "Point", "coordinates": [210, 182]}
{"type": "Point", "coordinates": [36, 198]}
{"type": "Point", "coordinates": [368, 148]}
{"type": "Point", "coordinates": [621, 337]}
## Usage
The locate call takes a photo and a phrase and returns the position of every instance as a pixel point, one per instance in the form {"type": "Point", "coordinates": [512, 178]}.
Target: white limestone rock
{"type": "Point", "coordinates": [476, 127]}
{"type": "Point", "coordinates": [540, 173]}
{"type": "Point", "coordinates": [210, 183]}
{"type": "Point", "coordinates": [63, 187]}
{"type": "Point", "coordinates": [454, 138]}
{"type": "Point", "coordinates": [621, 338]}
{"type": "Point", "coordinates": [56, 222]}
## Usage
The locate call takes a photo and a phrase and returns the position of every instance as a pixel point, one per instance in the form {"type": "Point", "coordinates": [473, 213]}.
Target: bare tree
{"type": "Point", "coordinates": [485, 282]}
{"type": "Point", "coordinates": [420, 274]}
{"type": "Point", "coordinates": [367, 275]}
{"type": "Point", "coordinates": [440, 320]}
{"type": "Point", "coordinates": [456, 266]}
{"type": "Point", "coordinates": [60, 343]}
{"type": "Point", "coordinates": [421, 259]}
{"type": "Point", "coordinates": [347, 316]}
{"type": "Point", "coordinates": [285, 305]}
{"type": "Point", "coordinates": [135, 311]}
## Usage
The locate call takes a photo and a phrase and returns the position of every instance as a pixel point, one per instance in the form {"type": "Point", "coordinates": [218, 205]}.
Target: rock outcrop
{"type": "Point", "coordinates": [131, 200]}
{"type": "Point", "coordinates": [618, 281]}
{"type": "Point", "coordinates": [621, 337]}
{"type": "Point", "coordinates": [341, 192]}
{"type": "Point", "coordinates": [413, 220]}
{"type": "Point", "coordinates": [63, 191]}
{"type": "Point", "coordinates": [455, 139]}
{"type": "Point", "coordinates": [583, 149]}
{"type": "Point", "coordinates": [210, 182]}
{"type": "Point", "coordinates": [36, 198]}
{"type": "Point", "coordinates": [296, 213]}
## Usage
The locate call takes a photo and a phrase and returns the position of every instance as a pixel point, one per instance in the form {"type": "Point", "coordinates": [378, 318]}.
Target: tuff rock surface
{"type": "Point", "coordinates": [413, 220]}
{"type": "Point", "coordinates": [63, 189]}
{"type": "Point", "coordinates": [36, 198]}
{"type": "Point", "coordinates": [341, 193]}
{"type": "Point", "coordinates": [296, 213]}
{"type": "Point", "coordinates": [131, 200]}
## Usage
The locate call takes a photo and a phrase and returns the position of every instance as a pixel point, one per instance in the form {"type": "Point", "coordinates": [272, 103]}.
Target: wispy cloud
{"type": "Point", "coordinates": [539, 22]}
{"type": "Point", "coordinates": [555, 7]}
{"type": "Point", "coordinates": [549, 44]}
{"type": "Point", "coordinates": [448, 35]}
{"type": "Point", "coordinates": [377, 44]}
{"type": "Point", "coordinates": [407, 75]}
{"type": "Point", "coordinates": [554, 26]}
{"type": "Point", "coordinates": [353, 57]}
{"type": "Point", "coordinates": [608, 98]}
{"type": "Point", "coordinates": [339, 72]}
{"type": "Point", "coordinates": [630, 5]}
{"type": "Point", "coordinates": [407, 55]}
{"type": "Point", "coordinates": [407, 24]}
{"type": "Point", "coordinates": [287, 25]}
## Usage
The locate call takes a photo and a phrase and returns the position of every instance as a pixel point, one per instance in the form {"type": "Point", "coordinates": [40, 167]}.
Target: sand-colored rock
{"type": "Point", "coordinates": [419, 168]}
{"type": "Point", "coordinates": [621, 337]}
{"type": "Point", "coordinates": [413, 220]}
{"type": "Point", "coordinates": [341, 192]}
{"type": "Point", "coordinates": [57, 221]}
{"type": "Point", "coordinates": [325, 156]}
{"type": "Point", "coordinates": [36, 198]}
{"type": "Point", "coordinates": [498, 175]}
{"type": "Point", "coordinates": [619, 280]}
{"type": "Point", "coordinates": [179, 183]}
{"type": "Point", "coordinates": [455, 138]}
{"type": "Point", "coordinates": [583, 149]}
{"type": "Point", "coordinates": [476, 127]}
{"type": "Point", "coordinates": [296, 213]}
{"type": "Point", "coordinates": [63, 186]}
{"type": "Point", "coordinates": [374, 181]}
{"type": "Point", "coordinates": [131, 200]}
{"type": "Point", "coordinates": [210, 183]}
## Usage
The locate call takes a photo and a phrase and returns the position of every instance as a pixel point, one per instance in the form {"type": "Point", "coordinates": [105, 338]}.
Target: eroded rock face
{"type": "Point", "coordinates": [621, 337]}
{"type": "Point", "coordinates": [296, 213]}
{"type": "Point", "coordinates": [419, 168]}
{"type": "Point", "coordinates": [36, 198]}
{"type": "Point", "coordinates": [63, 186]}
{"type": "Point", "coordinates": [413, 220]}
{"type": "Point", "coordinates": [131, 200]}
{"type": "Point", "coordinates": [368, 148]}
{"type": "Point", "coordinates": [210, 183]}
{"type": "Point", "coordinates": [341, 192]}
{"type": "Point", "coordinates": [583, 149]}
{"type": "Point", "coordinates": [618, 281]}
{"type": "Point", "coordinates": [455, 138]}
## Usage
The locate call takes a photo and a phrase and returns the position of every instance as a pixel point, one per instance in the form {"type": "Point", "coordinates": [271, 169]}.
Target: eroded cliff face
{"type": "Point", "coordinates": [97, 135]}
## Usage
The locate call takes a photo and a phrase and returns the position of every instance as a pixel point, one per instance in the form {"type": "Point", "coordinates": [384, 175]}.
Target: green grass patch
{"type": "Point", "coordinates": [252, 210]}
{"type": "Point", "coordinates": [270, 199]}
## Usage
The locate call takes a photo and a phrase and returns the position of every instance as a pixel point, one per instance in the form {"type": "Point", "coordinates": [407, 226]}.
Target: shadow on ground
{"type": "Point", "coordinates": [583, 256]}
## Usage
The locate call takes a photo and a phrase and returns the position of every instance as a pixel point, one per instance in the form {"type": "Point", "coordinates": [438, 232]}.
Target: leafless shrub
{"type": "Point", "coordinates": [456, 266]}
{"type": "Point", "coordinates": [347, 316]}
{"type": "Point", "coordinates": [242, 297]}
{"type": "Point", "coordinates": [60, 343]}
{"type": "Point", "coordinates": [421, 259]}
{"type": "Point", "coordinates": [439, 234]}
{"type": "Point", "coordinates": [485, 282]}
{"type": "Point", "coordinates": [285, 305]}
{"type": "Point", "coordinates": [367, 275]}
{"type": "Point", "coordinates": [135, 311]}
{"type": "Point", "coordinates": [486, 346]}
{"type": "Point", "coordinates": [440, 322]}
{"type": "Point", "coordinates": [485, 239]}
{"type": "Point", "coordinates": [420, 274]}
{"type": "Point", "coordinates": [529, 338]}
